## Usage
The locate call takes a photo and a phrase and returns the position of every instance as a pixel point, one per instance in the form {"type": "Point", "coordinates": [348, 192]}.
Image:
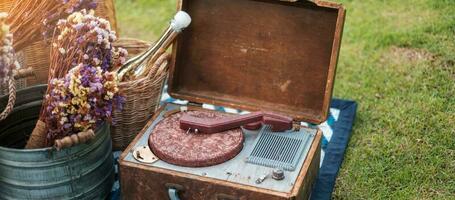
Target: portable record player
{"type": "Point", "coordinates": [255, 55]}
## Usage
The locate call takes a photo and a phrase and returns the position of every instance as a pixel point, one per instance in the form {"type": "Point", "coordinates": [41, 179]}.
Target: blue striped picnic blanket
{"type": "Point", "coordinates": [336, 133]}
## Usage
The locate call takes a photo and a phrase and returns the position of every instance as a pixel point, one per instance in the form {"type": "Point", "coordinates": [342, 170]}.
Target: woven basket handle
{"type": "Point", "coordinates": [11, 100]}
{"type": "Point", "coordinates": [17, 74]}
{"type": "Point", "coordinates": [160, 66]}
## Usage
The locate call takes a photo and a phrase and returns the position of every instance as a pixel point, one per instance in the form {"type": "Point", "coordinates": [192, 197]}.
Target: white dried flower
{"type": "Point", "coordinates": [62, 51]}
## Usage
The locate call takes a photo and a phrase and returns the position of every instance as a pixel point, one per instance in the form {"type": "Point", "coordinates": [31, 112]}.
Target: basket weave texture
{"type": "Point", "coordinates": [36, 55]}
{"type": "Point", "coordinates": [142, 97]}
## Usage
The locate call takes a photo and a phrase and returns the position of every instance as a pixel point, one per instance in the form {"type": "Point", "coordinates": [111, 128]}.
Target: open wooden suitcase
{"type": "Point", "coordinates": [269, 55]}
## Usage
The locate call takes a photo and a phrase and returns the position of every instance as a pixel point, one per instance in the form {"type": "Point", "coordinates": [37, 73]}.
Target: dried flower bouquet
{"type": "Point", "coordinates": [82, 91]}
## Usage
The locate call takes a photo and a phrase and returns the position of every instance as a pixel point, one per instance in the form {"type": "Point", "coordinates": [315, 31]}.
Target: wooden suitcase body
{"type": "Point", "coordinates": [251, 55]}
{"type": "Point", "coordinates": [153, 181]}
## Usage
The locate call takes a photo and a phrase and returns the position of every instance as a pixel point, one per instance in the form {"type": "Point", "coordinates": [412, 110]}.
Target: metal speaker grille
{"type": "Point", "coordinates": [279, 150]}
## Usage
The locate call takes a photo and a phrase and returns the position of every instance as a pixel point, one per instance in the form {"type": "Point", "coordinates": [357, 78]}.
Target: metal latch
{"type": "Point", "coordinates": [173, 190]}
{"type": "Point", "coordinates": [173, 194]}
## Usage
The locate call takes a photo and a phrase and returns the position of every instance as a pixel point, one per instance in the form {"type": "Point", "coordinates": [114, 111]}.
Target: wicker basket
{"type": "Point", "coordinates": [36, 55]}
{"type": "Point", "coordinates": [142, 97]}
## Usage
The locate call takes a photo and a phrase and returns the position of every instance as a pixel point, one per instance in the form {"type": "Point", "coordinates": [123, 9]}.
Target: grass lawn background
{"type": "Point", "coordinates": [398, 62]}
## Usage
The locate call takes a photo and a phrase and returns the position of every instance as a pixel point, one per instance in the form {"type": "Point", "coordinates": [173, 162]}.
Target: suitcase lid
{"type": "Point", "coordinates": [259, 55]}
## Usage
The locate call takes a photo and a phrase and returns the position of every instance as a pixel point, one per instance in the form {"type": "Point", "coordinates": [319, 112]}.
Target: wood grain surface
{"type": "Point", "coordinates": [259, 55]}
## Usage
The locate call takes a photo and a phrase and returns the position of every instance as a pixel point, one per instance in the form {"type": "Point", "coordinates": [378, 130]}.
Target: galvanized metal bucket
{"type": "Point", "coordinates": [82, 172]}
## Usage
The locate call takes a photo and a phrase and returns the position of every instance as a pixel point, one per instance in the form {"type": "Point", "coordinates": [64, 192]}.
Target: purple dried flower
{"type": "Point", "coordinates": [80, 107]}
{"type": "Point", "coordinates": [93, 37]}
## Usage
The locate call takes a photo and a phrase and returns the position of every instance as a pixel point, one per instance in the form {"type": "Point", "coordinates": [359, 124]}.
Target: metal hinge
{"type": "Point", "coordinates": [195, 104]}
{"type": "Point", "coordinates": [225, 197]}
{"type": "Point", "coordinates": [298, 0]}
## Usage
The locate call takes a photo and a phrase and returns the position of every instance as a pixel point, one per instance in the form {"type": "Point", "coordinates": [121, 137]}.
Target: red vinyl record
{"type": "Point", "coordinates": [185, 148]}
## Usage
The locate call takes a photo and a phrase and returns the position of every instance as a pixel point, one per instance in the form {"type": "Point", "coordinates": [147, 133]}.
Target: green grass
{"type": "Point", "coordinates": [398, 62]}
{"type": "Point", "coordinates": [144, 19]}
